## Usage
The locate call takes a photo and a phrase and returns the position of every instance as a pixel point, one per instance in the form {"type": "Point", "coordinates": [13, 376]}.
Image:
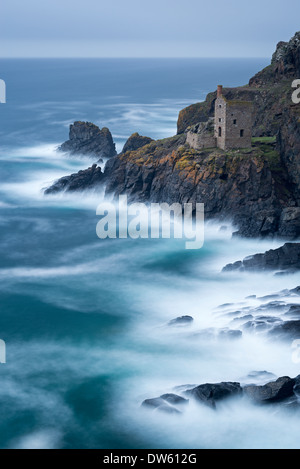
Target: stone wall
{"type": "Point", "coordinates": [233, 123]}
{"type": "Point", "coordinates": [201, 135]}
{"type": "Point", "coordinates": [220, 121]}
{"type": "Point", "coordinates": [198, 142]}
{"type": "Point", "coordinates": [238, 119]}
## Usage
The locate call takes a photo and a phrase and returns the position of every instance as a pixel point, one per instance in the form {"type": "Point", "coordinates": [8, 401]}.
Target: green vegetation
{"type": "Point", "coordinates": [263, 140]}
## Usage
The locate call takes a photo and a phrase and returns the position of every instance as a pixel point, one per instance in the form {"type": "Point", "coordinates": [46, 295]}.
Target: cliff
{"type": "Point", "coordinates": [269, 90]}
{"type": "Point", "coordinates": [257, 188]}
{"type": "Point", "coordinates": [86, 138]}
{"type": "Point", "coordinates": [248, 186]}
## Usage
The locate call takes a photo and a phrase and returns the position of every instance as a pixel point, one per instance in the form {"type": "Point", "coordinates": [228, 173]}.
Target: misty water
{"type": "Point", "coordinates": [84, 319]}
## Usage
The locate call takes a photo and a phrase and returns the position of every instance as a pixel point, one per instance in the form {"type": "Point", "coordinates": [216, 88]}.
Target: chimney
{"type": "Point", "coordinates": [219, 91]}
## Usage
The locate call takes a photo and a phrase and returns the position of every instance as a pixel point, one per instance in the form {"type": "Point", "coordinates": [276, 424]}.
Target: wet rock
{"type": "Point", "coordinates": [227, 333]}
{"type": "Point", "coordinates": [167, 409]}
{"type": "Point", "coordinates": [165, 403]}
{"type": "Point", "coordinates": [213, 333]}
{"type": "Point", "coordinates": [294, 311]}
{"type": "Point", "coordinates": [240, 319]}
{"type": "Point", "coordinates": [181, 321]}
{"type": "Point", "coordinates": [209, 394]}
{"type": "Point", "coordinates": [174, 399]}
{"type": "Point", "coordinates": [88, 179]}
{"type": "Point", "coordinates": [286, 257]}
{"type": "Point", "coordinates": [297, 385]}
{"type": "Point", "coordinates": [154, 402]}
{"type": "Point", "coordinates": [289, 330]}
{"type": "Point", "coordinates": [274, 391]}
{"type": "Point", "coordinates": [225, 305]}
{"type": "Point", "coordinates": [86, 138]}
{"type": "Point", "coordinates": [261, 324]}
{"type": "Point", "coordinates": [269, 297]}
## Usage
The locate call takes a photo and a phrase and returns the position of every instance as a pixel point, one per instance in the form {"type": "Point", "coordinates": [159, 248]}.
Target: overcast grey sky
{"type": "Point", "coordinates": [145, 28]}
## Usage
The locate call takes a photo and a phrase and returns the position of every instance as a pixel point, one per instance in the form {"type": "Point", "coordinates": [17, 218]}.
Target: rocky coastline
{"type": "Point", "coordinates": [256, 188]}
{"type": "Point", "coordinates": [273, 316]}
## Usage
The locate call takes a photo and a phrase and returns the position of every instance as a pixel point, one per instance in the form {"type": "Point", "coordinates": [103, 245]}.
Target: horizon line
{"type": "Point", "coordinates": [134, 57]}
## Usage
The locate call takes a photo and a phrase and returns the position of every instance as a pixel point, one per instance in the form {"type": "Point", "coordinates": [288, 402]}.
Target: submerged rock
{"type": "Point", "coordinates": [213, 333]}
{"type": "Point", "coordinates": [174, 399]}
{"type": "Point", "coordinates": [181, 321]}
{"type": "Point", "coordinates": [165, 403]}
{"type": "Point", "coordinates": [274, 391]}
{"type": "Point", "coordinates": [86, 138]}
{"type": "Point", "coordinates": [209, 394]}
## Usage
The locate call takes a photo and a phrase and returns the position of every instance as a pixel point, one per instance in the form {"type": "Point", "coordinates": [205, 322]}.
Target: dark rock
{"type": "Point", "coordinates": [297, 385]}
{"type": "Point", "coordinates": [269, 297]}
{"type": "Point", "coordinates": [136, 141]}
{"type": "Point", "coordinates": [86, 138]}
{"type": "Point", "coordinates": [225, 305]}
{"type": "Point", "coordinates": [165, 403]}
{"type": "Point", "coordinates": [174, 399]}
{"type": "Point", "coordinates": [285, 257]}
{"type": "Point", "coordinates": [154, 402]}
{"type": "Point", "coordinates": [294, 311]}
{"type": "Point", "coordinates": [227, 333]}
{"type": "Point", "coordinates": [289, 330]}
{"type": "Point", "coordinates": [274, 391]}
{"type": "Point", "coordinates": [210, 394]}
{"type": "Point", "coordinates": [213, 333]}
{"type": "Point", "coordinates": [247, 317]}
{"type": "Point", "coordinates": [167, 409]}
{"type": "Point", "coordinates": [181, 321]}
{"type": "Point", "coordinates": [260, 324]}
{"type": "Point", "coordinates": [85, 179]}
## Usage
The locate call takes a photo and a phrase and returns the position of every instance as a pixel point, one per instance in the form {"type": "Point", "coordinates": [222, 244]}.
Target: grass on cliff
{"type": "Point", "coordinates": [257, 140]}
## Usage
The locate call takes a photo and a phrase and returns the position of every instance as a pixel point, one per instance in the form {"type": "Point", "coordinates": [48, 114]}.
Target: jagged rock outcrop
{"type": "Point", "coordinates": [87, 179]}
{"type": "Point", "coordinates": [247, 186]}
{"type": "Point", "coordinates": [286, 58]}
{"type": "Point", "coordinates": [274, 391]}
{"type": "Point", "coordinates": [210, 394]}
{"type": "Point", "coordinates": [288, 144]}
{"type": "Point", "coordinates": [282, 392]}
{"type": "Point", "coordinates": [287, 257]}
{"type": "Point", "coordinates": [269, 90]}
{"type": "Point", "coordinates": [86, 138]}
{"type": "Point", "coordinates": [136, 141]}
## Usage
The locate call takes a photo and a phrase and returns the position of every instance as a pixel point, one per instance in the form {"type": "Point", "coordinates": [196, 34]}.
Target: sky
{"type": "Point", "coordinates": [146, 28]}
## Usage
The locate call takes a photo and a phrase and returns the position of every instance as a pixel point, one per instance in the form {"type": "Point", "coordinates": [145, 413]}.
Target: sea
{"type": "Point", "coordinates": [85, 320]}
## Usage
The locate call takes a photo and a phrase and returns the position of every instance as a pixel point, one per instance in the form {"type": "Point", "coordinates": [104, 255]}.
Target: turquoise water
{"type": "Point", "coordinates": [84, 319]}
